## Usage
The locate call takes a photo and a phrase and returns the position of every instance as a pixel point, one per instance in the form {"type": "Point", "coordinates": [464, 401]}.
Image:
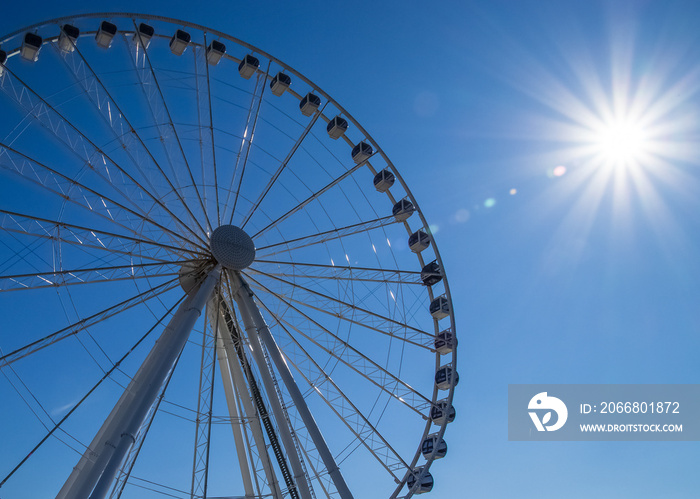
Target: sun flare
{"type": "Point", "coordinates": [621, 142]}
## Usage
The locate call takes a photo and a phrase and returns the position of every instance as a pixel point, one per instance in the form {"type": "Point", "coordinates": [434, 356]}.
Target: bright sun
{"type": "Point", "coordinates": [621, 142]}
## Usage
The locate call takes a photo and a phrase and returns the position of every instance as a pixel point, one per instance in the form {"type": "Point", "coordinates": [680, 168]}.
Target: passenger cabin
{"type": "Point", "coordinates": [384, 180]}
{"type": "Point", "coordinates": [280, 83]}
{"type": "Point", "coordinates": [445, 342]}
{"type": "Point", "coordinates": [309, 104]}
{"type": "Point", "coordinates": [431, 273]}
{"type": "Point", "coordinates": [143, 35]}
{"type": "Point", "coordinates": [440, 308]}
{"type": "Point", "coordinates": [31, 45]}
{"type": "Point", "coordinates": [418, 241]}
{"type": "Point", "coordinates": [215, 51]}
{"type": "Point", "coordinates": [426, 483]}
{"type": "Point", "coordinates": [68, 38]}
{"type": "Point", "coordinates": [105, 34]}
{"type": "Point", "coordinates": [430, 443]}
{"type": "Point", "coordinates": [248, 66]}
{"type": "Point", "coordinates": [446, 377]}
{"type": "Point", "coordinates": [361, 152]}
{"type": "Point", "coordinates": [179, 42]}
{"type": "Point", "coordinates": [3, 58]}
{"type": "Point", "coordinates": [442, 413]}
{"type": "Point", "coordinates": [402, 210]}
{"type": "Point", "coordinates": [337, 127]}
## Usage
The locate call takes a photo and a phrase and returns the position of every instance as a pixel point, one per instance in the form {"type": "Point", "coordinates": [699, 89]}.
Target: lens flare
{"type": "Point", "coordinates": [559, 171]}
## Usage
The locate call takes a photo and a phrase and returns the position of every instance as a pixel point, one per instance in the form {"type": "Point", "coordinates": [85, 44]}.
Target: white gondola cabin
{"type": "Point", "coordinates": [179, 42]}
{"type": "Point", "coordinates": [337, 127]}
{"type": "Point", "coordinates": [361, 152]}
{"type": "Point", "coordinates": [309, 104]}
{"type": "Point", "coordinates": [248, 66]}
{"type": "Point", "coordinates": [429, 445]}
{"type": "Point", "coordinates": [105, 34]}
{"type": "Point", "coordinates": [445, 342]}
{"type": "Point", "coordinates": [3, 58]}
{"type": "Point", "coordinates": [418, 241]}
{"type": "Point", "coordinates": [446, 377]}
{"type": "Point", "coordinates": [68, 38]}
{"type": "Point", "coordinates": [384, 180]}
{"type": "Point", "coordinates": [442, 413]}
{"type": "Point", "coordinates": [431, 273]}
{"type": "Point", "coordinates": [144, 35]}
{"type": "Point", "coordinates": [215, 51]}
{"type": "Point", "coordinates": [402, 210]}
{"type": "Point", "coordinates": [280, 83]}
{"type": "Point", "coordinates": [440, 307]}
{"type": "Point", "coordinates": [31, 45]}
{"type": "Point", "coordinates": [426, 483]}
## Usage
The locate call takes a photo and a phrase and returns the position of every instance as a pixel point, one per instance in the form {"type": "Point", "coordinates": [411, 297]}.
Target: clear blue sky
{"type": "Point", "coordinates": [580, 275]}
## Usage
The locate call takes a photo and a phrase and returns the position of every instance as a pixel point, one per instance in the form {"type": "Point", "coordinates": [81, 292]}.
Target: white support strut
{"type": "Point", "coordinates": [244, 298]}
{"type": "Point", "coordinates": [93, 475]}
{"type": "Point", "coordinates": [302, 485]}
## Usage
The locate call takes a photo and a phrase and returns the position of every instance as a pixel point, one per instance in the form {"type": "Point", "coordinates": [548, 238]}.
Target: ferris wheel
{"type": "Point", "coordinates": [213, 281]}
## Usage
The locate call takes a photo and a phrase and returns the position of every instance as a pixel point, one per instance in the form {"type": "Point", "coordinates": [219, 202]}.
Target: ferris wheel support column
{"type": "Point", "coordinates": [244, 297]}
{"type": "Point", "coordinates": [302, 485]}
{"type": "Point", "coordinates": [95, 472]}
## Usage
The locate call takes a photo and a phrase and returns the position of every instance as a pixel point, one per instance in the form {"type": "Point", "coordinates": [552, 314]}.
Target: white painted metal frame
{"type": "Point", "coordinates": [93, 475]}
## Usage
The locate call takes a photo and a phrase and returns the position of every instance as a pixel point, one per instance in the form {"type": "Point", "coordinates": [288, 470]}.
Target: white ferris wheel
{"type": "Point", "coordinates": [213, 281]}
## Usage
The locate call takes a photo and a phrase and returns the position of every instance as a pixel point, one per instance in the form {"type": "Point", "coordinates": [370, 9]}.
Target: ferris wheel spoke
{"type": "Point", "coordinates": [205, 117]}
{"type": "Point", "coordinates": [341, 273]}
{"type": "Point", "coordinates": [339, 349]}
{"type": "Point", "coordinates": [161, 114]}
{"type": "Point", "coordinates": [325, 236]}
{"type": "Point", "coordinates": [122, 129]}
{"type": "Point", "coordinates": [87, 322]}
{"type": "Point", "coordinates": [86, 237]}
{"type": "Point", "coordinates": [352, 313]}
{"type": "Point", "coordinates": [323, 385]}
{"type": "Point", "coordinates": [75, 192]}
{"type": "Point", "coordinates": [282, 166]}
{"type": "Point", "coordinates": [249, 135]}
{"type": "Point", "coordinates": [86, 276]}
{"type": "Point", "coordinates": [107, 375]}
{"type": "Point", "coordinates": [309, 199]}
{"type": "Point", "coordinates": [83, 147]}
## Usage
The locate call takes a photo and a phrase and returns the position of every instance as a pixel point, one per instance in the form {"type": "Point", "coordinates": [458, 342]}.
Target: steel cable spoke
{"type": "Point", "coordinates": [282, 166]}
{"type": "Point", "coordinates": [80, 145]}
{"type": "Point", "coordinates": [325, 236]}
{"type": "Point", "coordinates": [103, 100]}
{"type": "Point", "coordinates": [358, 362]}
{"type": "Point", "coordinates": [95, 275]}
{"type": "Point", "coordinates": [147, 77]}
{"type": "Point", "coordinates": [367, 314]}
{"type": "Point", "coordinates": [80, 402]}
{"type": "Point", "coordinates": [309, 199]}
{"type": "Point", "coordinates": [62, 186]}
{"type": "Point", "coordinates": [87, 322]}
{"type": "Point", "coordinates": [340, 404]}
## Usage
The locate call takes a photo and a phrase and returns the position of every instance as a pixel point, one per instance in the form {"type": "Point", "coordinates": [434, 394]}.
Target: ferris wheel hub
{"type": "Point", "coordinates": [232, 247]}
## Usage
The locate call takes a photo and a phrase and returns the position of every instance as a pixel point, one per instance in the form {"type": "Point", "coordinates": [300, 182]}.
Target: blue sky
{"type": "Point", "coordinates": [586, 274]}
